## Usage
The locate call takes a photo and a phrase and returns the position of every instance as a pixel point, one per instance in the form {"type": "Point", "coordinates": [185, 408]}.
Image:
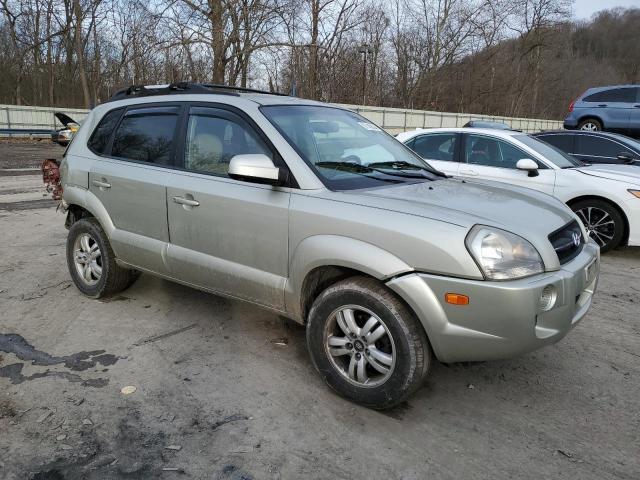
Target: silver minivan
{"type": "Point", "coordinates": [314, 212]}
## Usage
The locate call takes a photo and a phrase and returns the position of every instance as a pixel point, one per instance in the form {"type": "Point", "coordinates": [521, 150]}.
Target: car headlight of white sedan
{"type": "Point", "coordinates": [502, 255]}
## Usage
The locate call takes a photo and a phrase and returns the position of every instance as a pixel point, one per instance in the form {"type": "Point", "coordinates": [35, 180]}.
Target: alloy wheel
{"type": "Point", "coordinates": [589, 127]}
{"type": "Point", "coordinates": [599, 224]}
{"type": "Point", "coordinates": [87, 259]}
{"type": "Point", "coordinates": [360, 346]}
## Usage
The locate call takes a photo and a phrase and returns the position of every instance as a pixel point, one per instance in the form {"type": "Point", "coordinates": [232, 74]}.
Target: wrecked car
{"type": "Point", "coordinates": [313, 212]}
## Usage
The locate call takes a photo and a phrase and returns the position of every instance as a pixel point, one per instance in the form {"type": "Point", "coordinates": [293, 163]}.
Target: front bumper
{"type": "Point", "coordinates": [503, 319]}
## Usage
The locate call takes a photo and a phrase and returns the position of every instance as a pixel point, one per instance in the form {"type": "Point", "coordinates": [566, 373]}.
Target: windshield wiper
{"type": "Point", "coordinates": [402, 165]}
{"type": "Point", "coordinates": [356, 168]}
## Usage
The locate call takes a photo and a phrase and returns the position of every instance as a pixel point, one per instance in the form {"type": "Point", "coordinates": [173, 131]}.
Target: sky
{"type": "Point", "coordinates": [583, 9]}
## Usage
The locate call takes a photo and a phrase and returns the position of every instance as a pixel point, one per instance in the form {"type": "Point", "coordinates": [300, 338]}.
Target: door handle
{"type": "Point", "coordinates": [100, 184]}
{"type": "Point", "coordinates": [468, 172]}
{"type": "Point", "coordinates": [602, 105]}
{"type": "Point", "coordinates": [636, 106]}
{"type": "Point", "coordinates": [186, 201]}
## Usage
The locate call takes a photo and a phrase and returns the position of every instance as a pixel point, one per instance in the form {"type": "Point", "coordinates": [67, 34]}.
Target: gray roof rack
{"type": "Point", "coordinates": [183, 88]}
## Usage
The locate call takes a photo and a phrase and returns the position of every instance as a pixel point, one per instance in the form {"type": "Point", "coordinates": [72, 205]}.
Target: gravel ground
{"type": "Point", "coordinates": [224, 390]}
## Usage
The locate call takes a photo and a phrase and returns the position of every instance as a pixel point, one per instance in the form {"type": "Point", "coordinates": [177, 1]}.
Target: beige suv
{"type": "Point", "coordinates": [315, 213]}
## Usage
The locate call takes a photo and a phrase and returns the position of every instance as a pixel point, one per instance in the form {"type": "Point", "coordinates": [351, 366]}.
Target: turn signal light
{"type": "Point", "coordinates": [635, 193]}
{"type": "Point", "coordinates": [456, 299]}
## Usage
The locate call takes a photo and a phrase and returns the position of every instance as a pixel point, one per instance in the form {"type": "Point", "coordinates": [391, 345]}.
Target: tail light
{"type": "Point", "coordinates": [571, 106]}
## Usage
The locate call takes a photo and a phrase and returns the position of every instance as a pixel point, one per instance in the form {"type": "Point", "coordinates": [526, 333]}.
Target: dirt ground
{"type": "Point", "coordinates": [226, 391]}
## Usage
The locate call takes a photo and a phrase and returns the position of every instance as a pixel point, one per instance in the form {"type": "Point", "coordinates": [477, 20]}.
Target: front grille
{"type": "Point", "coordinates": [567, 242]}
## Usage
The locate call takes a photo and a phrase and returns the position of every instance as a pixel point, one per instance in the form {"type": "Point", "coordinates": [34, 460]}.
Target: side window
{"type": "Point", "coordinates": [436, 147]}
{"type": "Point", "coordinates": [146, 135]}
{"type": "Point", "coordinates": [591, 146]}
{"type": "Point", "coordinates": [625, 95]}
{"type": "Point", "coordinates": [563, 142]}
{"type": "Point", "coordinates": [213, 141]}
{"type": "Point", "coordinates": [99, 140]}
{"type": "Point", "coordinates": [492, 152]}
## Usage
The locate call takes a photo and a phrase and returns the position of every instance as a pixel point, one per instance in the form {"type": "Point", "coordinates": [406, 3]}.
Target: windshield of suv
{"type": "Point", "coordinates": [345, 150]}
{"type": "Point", "coordinates": [551, 153]}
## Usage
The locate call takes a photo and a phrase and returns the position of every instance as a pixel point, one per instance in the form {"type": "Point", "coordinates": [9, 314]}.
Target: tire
{"type": "Point", "coordinates": [590, 124]}
{"type": "Point", "coordinates": [603, 222]}
{"type": "Point", "coordinates": [394, 365]}
{"type": "Point", "coordinates": [96, 273]}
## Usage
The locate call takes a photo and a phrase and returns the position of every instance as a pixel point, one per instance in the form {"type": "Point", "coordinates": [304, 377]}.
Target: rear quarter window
{"type": "Point", "coordinates": [99, 140]}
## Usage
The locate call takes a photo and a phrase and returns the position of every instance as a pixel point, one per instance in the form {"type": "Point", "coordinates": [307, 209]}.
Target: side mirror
{"type": "Point", "coordinates": [625, 157]}
{"type": "Point", "coordinates": [528, 165]}
{"type": "Point", "coordinates": [256, 168]}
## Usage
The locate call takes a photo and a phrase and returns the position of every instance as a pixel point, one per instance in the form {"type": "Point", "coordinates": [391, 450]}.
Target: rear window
{"type": "Point", "coordinates": [99, 140]}
{"type": "Point", "coordinates": [563, 142]}
{"type": "Point", "coordinates": [146, 135]}
{"type": "Point", "coordinates": [625, 95]}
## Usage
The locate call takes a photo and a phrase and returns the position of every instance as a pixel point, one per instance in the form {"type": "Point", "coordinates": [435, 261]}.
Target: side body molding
{"type": "Point", "coordinates": [335, 250]}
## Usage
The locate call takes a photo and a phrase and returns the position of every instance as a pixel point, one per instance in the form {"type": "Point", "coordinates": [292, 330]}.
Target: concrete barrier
{"type": "Point", "coordinates": [393, 120]}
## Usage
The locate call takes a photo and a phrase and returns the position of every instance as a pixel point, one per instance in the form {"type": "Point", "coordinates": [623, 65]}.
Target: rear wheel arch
{"type": "Point", "coordinates": [625, 235]}
{"type": "Point", "coordinates": [75, 213]}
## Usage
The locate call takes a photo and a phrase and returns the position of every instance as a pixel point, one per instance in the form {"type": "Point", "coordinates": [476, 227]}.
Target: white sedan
{"type": "Point", "coordinates": [605, 197]}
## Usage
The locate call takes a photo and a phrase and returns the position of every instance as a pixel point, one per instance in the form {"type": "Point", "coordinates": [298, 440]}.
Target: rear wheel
{"type": "Point", "coordinates": [92, 263]}
{"type": "Point", "coordinates": [603, 222]}
{"type": "Point", "coordinates": [590, 125]}
{"type": "Point", "coordinates": [366, 344]}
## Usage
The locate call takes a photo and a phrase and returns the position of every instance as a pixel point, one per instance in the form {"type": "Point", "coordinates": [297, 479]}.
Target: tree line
{"type": "Point", "coordinates": [503, 57]}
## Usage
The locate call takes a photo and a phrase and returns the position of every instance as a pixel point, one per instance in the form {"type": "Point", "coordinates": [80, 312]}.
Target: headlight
{"type": "Point", "coordinates": [502, 255]}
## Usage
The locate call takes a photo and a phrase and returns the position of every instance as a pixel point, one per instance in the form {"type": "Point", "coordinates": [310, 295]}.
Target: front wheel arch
{"type": "Point", "coordinates": [625, 233]}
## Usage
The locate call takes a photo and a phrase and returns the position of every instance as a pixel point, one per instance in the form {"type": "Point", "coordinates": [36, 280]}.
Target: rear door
{"type": "Point", "coordinates": [613, 106]}
{"type": "Point", "coordinates": [226, 235]}
{"type": "Point", "coordinates": [441, 150]}
{"type": "Point", "coordinates": [130, 181]}
{"type": "Point", "coordinates": [495, 159]}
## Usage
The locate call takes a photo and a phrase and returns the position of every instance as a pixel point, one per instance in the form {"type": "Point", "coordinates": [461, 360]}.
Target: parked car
{"type": "Point", "coordinates": [605, 197]}
{"type": "Point", "coordinates": [594, 147]}
{"type": "Point", "coordinates": [313, 212]}
{"type": "Point", "coordinates": [64, 135]}
{"type": "Point", "coordinates": [487, 124]}
{"type": "Point", "coordinates": [612, 109]}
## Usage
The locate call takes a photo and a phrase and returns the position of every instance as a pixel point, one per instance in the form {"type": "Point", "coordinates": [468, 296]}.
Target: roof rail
{"type": "Point", "coordinates": [182, 88]}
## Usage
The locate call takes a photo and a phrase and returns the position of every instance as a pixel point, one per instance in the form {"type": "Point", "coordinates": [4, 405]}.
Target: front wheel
{"type": "Point", "coordinates": [603, 222]}
{"type": "Point", "coordinates": [366, 344]}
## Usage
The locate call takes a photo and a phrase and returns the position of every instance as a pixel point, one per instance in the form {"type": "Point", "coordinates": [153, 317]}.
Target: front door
{"type": "Point", "coordinates": [226, 235]}
{"type": "Point", "coordinates": [490, 158]}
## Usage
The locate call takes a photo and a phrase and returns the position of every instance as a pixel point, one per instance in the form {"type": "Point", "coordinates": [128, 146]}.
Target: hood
{"type": "Point", "coordinates": [466, 203]}
{"type": "Point", "coordinates": [622, 173]}
{"type": "Point", "coordinates": [65, 119]}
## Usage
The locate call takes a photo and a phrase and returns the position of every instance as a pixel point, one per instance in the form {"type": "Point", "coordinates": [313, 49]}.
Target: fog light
{"type": "Point", "coordinates": [548, 298]}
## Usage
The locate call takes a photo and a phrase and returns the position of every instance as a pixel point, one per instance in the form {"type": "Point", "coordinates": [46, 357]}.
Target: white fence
{"type": "Point", "coordinates": [394, 120]}
{"type": "Point", "coordinates": [35, 118]}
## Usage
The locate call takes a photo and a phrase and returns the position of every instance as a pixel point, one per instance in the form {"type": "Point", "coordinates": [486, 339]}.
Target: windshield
{"type": "Point", "coordinates": [345, 150]}
{"type": "Point", "coordinates": [549, 152]}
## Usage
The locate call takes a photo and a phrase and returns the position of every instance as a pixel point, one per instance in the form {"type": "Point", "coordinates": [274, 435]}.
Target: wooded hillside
{"type": "Point", "coordinates": [506, 57]}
